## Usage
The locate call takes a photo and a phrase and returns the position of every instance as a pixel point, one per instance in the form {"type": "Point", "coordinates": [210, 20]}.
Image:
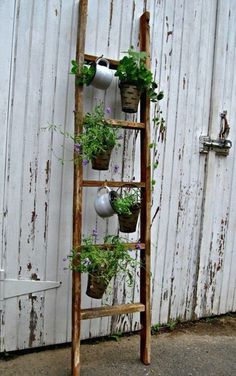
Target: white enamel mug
{"type": "Point", "coordinates": [103, 75]}
{"type": "Point", "coordinates": [102, 202]}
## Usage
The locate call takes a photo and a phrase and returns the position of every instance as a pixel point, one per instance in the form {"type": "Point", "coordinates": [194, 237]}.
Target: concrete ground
{"type": "Point", "coordinates": [206, 348]}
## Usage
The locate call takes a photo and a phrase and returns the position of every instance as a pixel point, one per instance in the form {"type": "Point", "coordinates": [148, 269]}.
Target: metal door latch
{"type": "Point", "coordinates": [221, 146]}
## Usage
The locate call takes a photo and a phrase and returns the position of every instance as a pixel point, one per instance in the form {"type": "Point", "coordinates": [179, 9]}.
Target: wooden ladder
{"type": "Point", "coordinates": [143, 306]}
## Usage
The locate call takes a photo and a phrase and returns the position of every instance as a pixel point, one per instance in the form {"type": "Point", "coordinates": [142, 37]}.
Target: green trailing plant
{"type": "Point", "coordinates": [132, 69]}
{"type": "Point", "coordinates": [97, 136]}
{"type": "Point", "coordinates": [84, 73]}
{"type": "Point", "coordinates": [106, 261]}
{"type": "Point", "coordinates": [128, 200]}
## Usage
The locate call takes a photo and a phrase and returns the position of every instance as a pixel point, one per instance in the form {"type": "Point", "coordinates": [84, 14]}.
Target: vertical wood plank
{"type": "Point", "coordinates": [77, 196]}
{"type": "Point", "coordinates": [14, 170]}
{"type": "Point", "coordinates": [145, 317]}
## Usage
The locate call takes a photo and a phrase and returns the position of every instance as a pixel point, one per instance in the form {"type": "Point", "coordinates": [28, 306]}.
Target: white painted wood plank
{"type": "Point", "coordinates": [166, 84]}
{"type": "Point", "coordinates": [31, 258]}
{"type": "Point", "coordinates": [158, 152]}
{"type": "Point", "coordinates": [63, 109]}
{"type": "Point", "coordinates": [167, 225]}
{"type": "Point", "coordinates": [54, 89]}
{"type": "Point", "coordinates": [17, 118]}
{"type": "Point", "coordinates": [6, 29]}
{"type": "Point", "coordinates": [227, 283]}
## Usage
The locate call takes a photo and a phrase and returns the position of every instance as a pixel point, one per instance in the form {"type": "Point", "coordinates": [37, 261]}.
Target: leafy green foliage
{"type": "Point", "coordinates": [107, 260]}
{"type": "Point", "coordinates": [171, 325]}
{"type": "Point", "coordinates": [97, 136]}
{"type": "Point", "coordinates": [128, 200]}
{"type": "Point", "coordinates": [155, 328]}
{"type": "Point", "coordinates": [116, 336]}
{"type": "Point", "coordinates": [84, 73]}
{"type": "Point", "coordinates": [132, 68]}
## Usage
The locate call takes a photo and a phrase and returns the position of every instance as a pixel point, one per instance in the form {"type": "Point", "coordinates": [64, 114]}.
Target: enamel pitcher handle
{"type": "Point", "coordinates": [103, 60]}
{"type": "Point", "coordinates": [104, 187]}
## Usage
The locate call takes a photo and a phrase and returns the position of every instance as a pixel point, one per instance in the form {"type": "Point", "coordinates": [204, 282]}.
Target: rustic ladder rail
{"type": "Point", "coordinates": [143, 306]}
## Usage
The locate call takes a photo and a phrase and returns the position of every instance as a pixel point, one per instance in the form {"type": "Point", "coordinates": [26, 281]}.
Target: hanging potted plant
{"type": "Point", "coordinates": [127, 205]}
{"type": "Point", "coordinates": [98, 139]}
{"type": "Point", "coordinates": [135, 78]}
{"type": "Point", "coordinates": [95, 74]}
{"type": "Point", "coordinates": [102, 263]}
{"type": "Point", "coordinates": [96, 142]}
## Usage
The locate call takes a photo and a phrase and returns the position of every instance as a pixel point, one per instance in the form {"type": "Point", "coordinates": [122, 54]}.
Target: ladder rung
{"type": "Point", "coordinates": [93, 313]}
{"type": "Point", "coordinates": [100, 183]}
{"type": "Point", "coordinates": [128, 245]}
{"type": "Point", "coordinates": [126, 124]}
{"type": "Point", "coordinates": [92, 58]}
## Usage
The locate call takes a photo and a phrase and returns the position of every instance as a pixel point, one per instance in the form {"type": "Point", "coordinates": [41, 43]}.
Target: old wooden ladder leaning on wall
{"type": "Point", "coordinates": [143, 306]}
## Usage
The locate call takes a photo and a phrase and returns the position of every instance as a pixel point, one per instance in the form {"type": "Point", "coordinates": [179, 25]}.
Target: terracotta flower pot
{"type": "Point", "coordinates": [130, 96]}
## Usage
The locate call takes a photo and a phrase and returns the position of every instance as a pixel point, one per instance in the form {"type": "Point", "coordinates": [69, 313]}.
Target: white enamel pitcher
{"type": "Point", "coordinates": [103, 75]}
{"type": "Point", "coordinates": [103, 202]}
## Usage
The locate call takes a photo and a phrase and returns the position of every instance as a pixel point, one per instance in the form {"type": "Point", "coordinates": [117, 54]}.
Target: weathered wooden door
{"type": "Point", "coordinates": [216, 266]}
{"type": "Point", "coordinates": [194, 203]}
{"type": "Point", "coordinates": [193, 212]}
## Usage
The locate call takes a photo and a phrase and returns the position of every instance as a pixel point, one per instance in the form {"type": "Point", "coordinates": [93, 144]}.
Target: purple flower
{"type": "Point", "coordinates": [138, 245]}
{"type": "Point", "coordinates": [85, 162]}
{"type": "Point", "coordinates": [116, 168]}
{"type": "Point", "coordinates": [120, 137]}
{"type": "Point", "coordinates": [108, 110]}
{"type": "Point", "coordinates": [64, 258]}
{"type": "Point", "coordinates": [77, 148]}
{"type": "Point", "coordinates": [95, 232]}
